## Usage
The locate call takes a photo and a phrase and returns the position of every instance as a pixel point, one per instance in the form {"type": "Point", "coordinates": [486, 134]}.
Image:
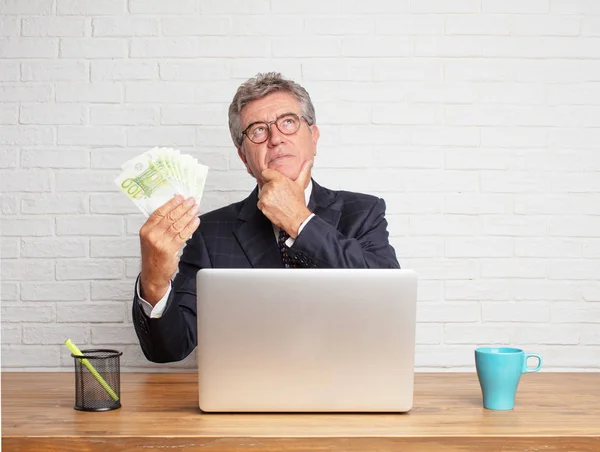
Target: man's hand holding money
{"type": "Point", "coordinates": [161, 238]}
{"type": "Point", "coordinates": [158, 182]}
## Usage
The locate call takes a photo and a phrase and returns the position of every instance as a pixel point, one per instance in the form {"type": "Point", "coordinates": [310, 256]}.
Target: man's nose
{"type": "Point", "coordinates": [275, 135]}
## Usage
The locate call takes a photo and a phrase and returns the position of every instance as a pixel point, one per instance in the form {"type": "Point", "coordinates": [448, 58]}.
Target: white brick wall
{"type": "Point", "coordinates": [477, 120]}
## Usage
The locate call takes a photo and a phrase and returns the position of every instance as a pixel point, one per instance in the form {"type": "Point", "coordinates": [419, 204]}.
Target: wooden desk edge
{"type": "Point", "coordinates": [301, 444]}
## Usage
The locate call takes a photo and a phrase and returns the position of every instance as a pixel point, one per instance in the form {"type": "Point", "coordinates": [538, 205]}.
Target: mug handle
{"type": "Point", "coordinates": [534, 369]}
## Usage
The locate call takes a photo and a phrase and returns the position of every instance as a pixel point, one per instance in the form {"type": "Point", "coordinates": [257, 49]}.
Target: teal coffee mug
{"type": "Point", "coordinates": [499, 370]}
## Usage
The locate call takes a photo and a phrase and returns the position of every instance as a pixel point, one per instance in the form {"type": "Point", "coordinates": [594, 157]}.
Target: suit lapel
{"type": "Point", "coordinates": [255, 235]}
{"type": "Point", "coordinates": [321, 204]}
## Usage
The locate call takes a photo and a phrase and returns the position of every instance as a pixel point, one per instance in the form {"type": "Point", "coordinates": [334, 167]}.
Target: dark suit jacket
{"type": "Point", "coordinates": [349, 230]}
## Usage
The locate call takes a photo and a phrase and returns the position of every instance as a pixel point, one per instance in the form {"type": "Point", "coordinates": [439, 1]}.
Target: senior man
{"type": "Point", "coordinates": [288, 221]}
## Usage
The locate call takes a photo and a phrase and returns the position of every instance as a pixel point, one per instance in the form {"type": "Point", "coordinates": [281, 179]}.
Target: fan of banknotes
{"type": "Point", "coordinates": [154, 177]}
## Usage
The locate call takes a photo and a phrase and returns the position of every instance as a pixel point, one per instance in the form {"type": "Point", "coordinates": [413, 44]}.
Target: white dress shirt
{"type": "Point", "coordinates": [156, 311]}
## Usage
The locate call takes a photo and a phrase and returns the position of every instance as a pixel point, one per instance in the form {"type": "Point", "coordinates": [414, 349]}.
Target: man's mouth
{"type": "Point", "coordinates": [277, 158]}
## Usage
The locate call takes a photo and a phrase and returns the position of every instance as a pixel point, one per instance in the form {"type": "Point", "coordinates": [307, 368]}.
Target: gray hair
{"type": "Point", "coordinates": [259, 87]}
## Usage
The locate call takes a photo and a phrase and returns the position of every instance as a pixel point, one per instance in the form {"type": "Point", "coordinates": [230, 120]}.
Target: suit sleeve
{"type": "Point", "coordinates": [367, 247]}
{"type": "Point", "coordinates": [173, 336]}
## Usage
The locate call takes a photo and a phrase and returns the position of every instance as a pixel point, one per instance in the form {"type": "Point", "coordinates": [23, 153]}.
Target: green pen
{"type": "Point", "coordinates": [93, 371]}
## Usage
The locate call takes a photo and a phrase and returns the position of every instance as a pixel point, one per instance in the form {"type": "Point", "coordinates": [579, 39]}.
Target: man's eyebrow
{"type": "Point", "coordinates": [264, 122]}
{"type": "Point", "coordinates": [279, 116]}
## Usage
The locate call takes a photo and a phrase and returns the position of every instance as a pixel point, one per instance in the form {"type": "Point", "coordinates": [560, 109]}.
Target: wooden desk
{"type": "Point", "coordinates": [554, 411]}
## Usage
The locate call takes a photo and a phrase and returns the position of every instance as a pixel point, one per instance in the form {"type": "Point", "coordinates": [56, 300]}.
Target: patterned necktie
{"type": "Point", "coordinates": [283, 249]}
{"type": "Point", "coordinates": [297, 260]}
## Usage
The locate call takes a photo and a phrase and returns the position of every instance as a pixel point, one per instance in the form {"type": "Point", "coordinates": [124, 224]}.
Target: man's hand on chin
{"type": "Point", "coordinates": [282, 200]}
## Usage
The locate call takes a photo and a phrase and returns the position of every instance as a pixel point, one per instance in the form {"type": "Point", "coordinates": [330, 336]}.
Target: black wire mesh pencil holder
{"type": "Point", "coordinates": [97, 380]}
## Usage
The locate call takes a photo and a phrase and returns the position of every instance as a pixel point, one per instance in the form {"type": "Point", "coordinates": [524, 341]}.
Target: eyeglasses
{"type": "Point", "coordinates": [287, 123]}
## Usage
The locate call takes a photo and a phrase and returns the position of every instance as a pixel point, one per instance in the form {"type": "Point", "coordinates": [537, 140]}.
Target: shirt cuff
{"type": "Point", "coordinates": [154, 312]}
{"type": "Point", "coordinates": [290, 241]}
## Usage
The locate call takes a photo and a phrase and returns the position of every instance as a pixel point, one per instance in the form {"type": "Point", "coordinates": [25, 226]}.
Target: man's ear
{"type": "Point", "coordinates": [243, 158]}
{"type": "Point", "coordinates": [316, 134]}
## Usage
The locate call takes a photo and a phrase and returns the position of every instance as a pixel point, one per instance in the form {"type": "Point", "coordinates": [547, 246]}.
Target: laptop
{"type": "Point", "coordinates": [306, 340]}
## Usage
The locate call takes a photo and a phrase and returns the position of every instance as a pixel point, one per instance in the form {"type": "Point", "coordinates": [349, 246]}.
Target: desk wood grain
{"type": "Point", "coordinates": [553, 412]}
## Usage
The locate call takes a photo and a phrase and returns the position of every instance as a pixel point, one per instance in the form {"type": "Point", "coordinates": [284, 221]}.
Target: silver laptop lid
{"type": "Point", "coordinates": [273, 340]}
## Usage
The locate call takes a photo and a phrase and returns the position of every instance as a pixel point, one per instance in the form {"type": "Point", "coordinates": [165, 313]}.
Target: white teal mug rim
{"type": "Point", "coordinates": [499, 350]}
